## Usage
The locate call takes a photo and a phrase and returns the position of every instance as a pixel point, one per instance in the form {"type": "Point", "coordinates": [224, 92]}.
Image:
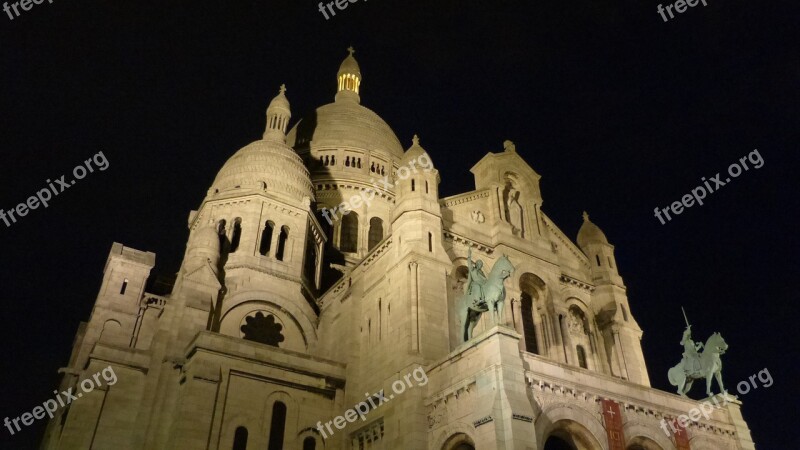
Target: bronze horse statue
{"type": "Point", "coordinates": [489, 297]}
{"type": "Point", "coordinates": [710, 366]}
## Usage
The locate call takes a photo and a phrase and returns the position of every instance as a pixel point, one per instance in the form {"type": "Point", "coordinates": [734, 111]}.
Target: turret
{"type": "Point", "coordinates": [621, 334]}
{"type": "Point", "coordinates": [417, 216]}
{"type": "Point", "coordinates": [594, 244]}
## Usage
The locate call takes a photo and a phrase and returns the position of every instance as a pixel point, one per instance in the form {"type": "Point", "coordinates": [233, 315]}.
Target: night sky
{"type": "Point", "coordinates": [618, 111]}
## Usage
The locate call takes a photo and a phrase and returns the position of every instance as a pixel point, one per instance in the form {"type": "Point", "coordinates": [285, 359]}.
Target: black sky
{"type": "Point", "coordinates": [617, 110]}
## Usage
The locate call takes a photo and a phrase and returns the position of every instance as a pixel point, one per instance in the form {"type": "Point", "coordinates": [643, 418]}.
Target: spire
{"type": "Point", "coordinates": [349, 78]}
{"type": "Point", "coordinates": [278, 115]}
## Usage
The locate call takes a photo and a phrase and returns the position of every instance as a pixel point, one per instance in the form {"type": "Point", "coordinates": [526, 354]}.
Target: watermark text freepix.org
{"type": "Point", "coordinates": [700, 192]}
{"type": "Point", "coordinates": [679, 5]}
{"type": "Point", "coordinates": [54, 188]}
{"type": "Point", "coordinates": [51, 406]}
{"type": "Point", "coordinates": [706, 408]}
{"type": "Point", "coordinates": [26, 5]}
{"type": "Point", "coordinates": [362, 408]}
{"type": "Point", "coordinates": [340, 5]}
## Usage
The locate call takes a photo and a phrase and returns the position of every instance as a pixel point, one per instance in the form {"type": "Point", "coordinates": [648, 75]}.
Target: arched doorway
{"type": "Point", "coordinates": [459, 441]}
{"type": "Point", "coordinates": [642, 443]}
{"type": "Point", "coordinates": [558, 443]}
{"type": "Point", "coordinates": [570, 435]}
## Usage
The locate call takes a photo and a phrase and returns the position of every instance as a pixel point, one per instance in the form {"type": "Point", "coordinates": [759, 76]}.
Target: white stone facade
{"type": "Point", "coordinates": [279, 321]}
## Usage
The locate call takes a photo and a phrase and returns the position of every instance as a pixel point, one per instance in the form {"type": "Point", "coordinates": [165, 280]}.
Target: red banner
{"type": "Point", "coordinates": [681, 436]}
{"type": "Point", "coordinates": [613, 420]}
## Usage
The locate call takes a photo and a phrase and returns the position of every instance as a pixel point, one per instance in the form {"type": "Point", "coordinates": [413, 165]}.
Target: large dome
{"type": "Point", "coordinates": [266, 163]}
{"type": "Point", "coordinates": [345, 123]}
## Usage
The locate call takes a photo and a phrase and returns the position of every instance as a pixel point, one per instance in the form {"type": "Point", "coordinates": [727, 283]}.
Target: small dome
{"type": "Point", "coordinates": [590, 233]}
{"type": "Point", "coordinates": [269, 165]}
{"type": "Point", "coordinates": [349, 65]}
{"type": "Point", "coordinates": [413, 152]}
{"type": "Point", "coordinates": [280, 102]}
{"type": "Point", "coordinates": [278, 115]}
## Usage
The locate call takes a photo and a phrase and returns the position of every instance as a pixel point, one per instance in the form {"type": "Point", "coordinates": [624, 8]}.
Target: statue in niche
{"type": "Point", "coordinates": [477, 216]}
{"type": "Point", "coordinates": [514, 210]}
{"type": "Point", "coordinates": [575, 323]}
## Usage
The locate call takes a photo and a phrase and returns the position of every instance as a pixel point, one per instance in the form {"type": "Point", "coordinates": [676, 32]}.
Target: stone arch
{"type": "Point", "coordinates": [589, 337]}
{"type": "Point", "coordinates": [583, 428]}
{"type": "Point", "coordinates": [451, 431]}
{"type": "Point", "coordinates": [647, 437]}
{"type": "Point", "coordinates": [112, 332]}
{"type": "Point", "coordinates": [299, 331]}
{"type": "Point", "coordinates": [310, 432]}
{"type": "Point", "coordinates": [291, 438]}
{"type": "Point", "coordinates": [459, 441]}
{"type": "Point", "coordinates": [533, 291]}
{"type": "Point", "coordinates": [349, 232]}
{"type": "Point", "coordinates": [239, 419]}
{"type": "Point", "coordinates": [375, 233]}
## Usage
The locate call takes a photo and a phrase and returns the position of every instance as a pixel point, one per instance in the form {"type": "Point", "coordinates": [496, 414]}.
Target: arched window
{"type": "Point", "coordinates": [237, 234]}
{"type": "Point", "coordinates": [282, 237]}
{"type": "Point", "coordinates": [624, 312]}
{"type": "Point", "coordinates": [277, 427]}
{"type": "Point", "coordinates": [266, 237]}
{"type": "Point", "coordinates": [532, 290]}
{"type": "Point", "coordinates": [426, 186]}
{"type": "Point", "coordinates": [309, 443]}
{"type": "Point", "coordinates": [528, 326]}
{"type": "Point", "coordinates": [581, 357]}
{"type": "Point", "coordinates": [124, 287]}
{"type": "Point", "coordinates": [223, 239]}
{"type": "Point", "coordinates": [597, 258]}
{"type": "Point", "coordinates": [310, 264]}
{"type": "Point", "coordinates": [240, 439]}
{"type": "Point", "coordinates": [375, 232]}
{"type": "Point", "coordinates": [412, 184]}
{"type": "Point", "coordinates": [430, 242]}
{"type": "Point", "coordinates": [610, 264]}
{"type": "Point", "coordinates": [348, 237]}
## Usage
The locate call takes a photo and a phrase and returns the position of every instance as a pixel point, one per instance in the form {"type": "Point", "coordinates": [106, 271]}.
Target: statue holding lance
{"type": "Point", "coordinates": [690, 348]}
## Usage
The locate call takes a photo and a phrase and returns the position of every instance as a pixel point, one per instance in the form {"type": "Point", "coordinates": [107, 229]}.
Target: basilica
{"type": "Point", "coordinates": [287, 328]}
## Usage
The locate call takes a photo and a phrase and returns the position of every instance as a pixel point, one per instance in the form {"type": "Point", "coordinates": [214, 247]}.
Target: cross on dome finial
{"type": "Point", "coordinates": [585, 216]}
{"type": "Point", "coordinates": [283, 88]}
{"type": "Point", "coordinates": [351, 50]}
{"type": "Point", "coordinates": [415, 140]}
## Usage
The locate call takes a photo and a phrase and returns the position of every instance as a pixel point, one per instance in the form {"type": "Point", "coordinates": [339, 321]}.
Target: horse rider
{"type": "Point", "coordinates": [691, 358]}
{"type": "Point", "coordinates": [475, 281]}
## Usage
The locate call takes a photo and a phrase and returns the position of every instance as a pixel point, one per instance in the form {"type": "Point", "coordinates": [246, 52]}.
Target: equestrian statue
{"type": "Point", "coordinates": [697, 364]}
{"type": "Point", "coordinates": [483, 292]}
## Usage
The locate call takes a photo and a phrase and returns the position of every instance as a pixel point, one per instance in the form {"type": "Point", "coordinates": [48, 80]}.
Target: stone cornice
{"type": "Point", "coordinates": [566, 279]}
{"type": "Point", "coordinates": [464, 198]}
{"type": "Point", "coordinates": [451, 236]}
{"type": "Point", "coordinates": [267, 202]}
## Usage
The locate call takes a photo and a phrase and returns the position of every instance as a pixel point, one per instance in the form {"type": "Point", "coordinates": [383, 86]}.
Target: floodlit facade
{"type": "Point", "coordinates": [325, 277]}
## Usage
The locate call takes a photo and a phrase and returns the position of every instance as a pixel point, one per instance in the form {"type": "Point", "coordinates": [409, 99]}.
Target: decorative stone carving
{"type": "Point", "coordinates": [575, 323]}
{"type": "Point", "coordinates": [262, 328]}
